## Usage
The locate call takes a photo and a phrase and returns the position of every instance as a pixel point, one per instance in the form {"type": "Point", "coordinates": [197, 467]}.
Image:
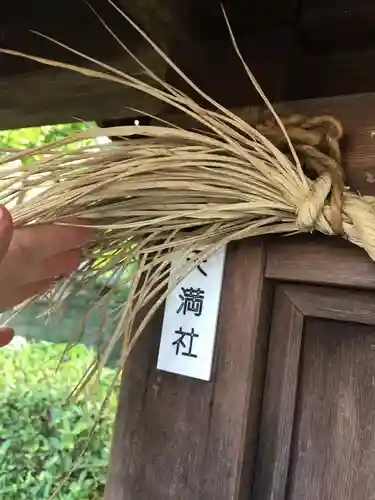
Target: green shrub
{"type": "Point", "coordinates": [42, 434]}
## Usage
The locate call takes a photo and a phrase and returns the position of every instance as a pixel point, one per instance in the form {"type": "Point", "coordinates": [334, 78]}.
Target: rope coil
{"type": "Point", "coordinates": [329, 207]}
{"type": "Point", "coordinates": [179, 190]}
{"type": "Point", "coordinates": [317, 143]}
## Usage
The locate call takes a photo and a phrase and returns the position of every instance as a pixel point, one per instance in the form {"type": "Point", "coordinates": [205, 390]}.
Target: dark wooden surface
{"type": "Point", "coordinates": [297, 49]}
{"type": "Point", "coordinates": [321, 260]}
{"type": "Point", "coordinates": [332, 453]}
{"type": "Point", "coordinates": [33, 94]}
{"type": "Point", "coordinates": [329, 25]}
{"type": "Point", "coordinates": [279, 399]}
{"type": "Point", "coordinates": [317, 423]}
{"type": "Point", "coordinates": [193, 33]}
{"type": "Point", "coordinates": [182, 438]}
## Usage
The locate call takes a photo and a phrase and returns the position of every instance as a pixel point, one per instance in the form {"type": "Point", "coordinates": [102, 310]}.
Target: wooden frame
{"type": "Point", "coordinates": [160, 412]}
{"type": "Point", "coordinates": [292, 306]}
{"type": "Point", "coordinates": [309, 260]}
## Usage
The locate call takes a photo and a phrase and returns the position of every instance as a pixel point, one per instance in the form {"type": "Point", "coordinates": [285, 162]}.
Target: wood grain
{"type": "Point", "coordinates": [276, 41]}
{"type": "Point", "coordinates": [279, 399]}
{"type": "Point", "coordinates": [182, 438]}
{"type": "Point", "coordinates": [347, 305]}
{"type": "Point", "coordinates": [194, 35]}
{"type": "Point", "coordinates": [74, 97]}
{"type": "Point", "coordinates": [33, 94]}
{"type": "Point", "coordinates": [239, 376]}
{"type": "Point", "coordinates": [316, 433]}
{"type": "Point", "coordinates": [333, 453]}
{"type": "Point", "coordinates": [320, 260]}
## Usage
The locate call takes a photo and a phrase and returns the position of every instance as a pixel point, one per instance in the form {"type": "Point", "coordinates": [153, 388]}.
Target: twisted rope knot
{"type": "Point", "coordinates": [317, 142]}
{"type": "Point", "coordinates": [329, 207]}
{"type": "Point", "coordinates": [360, 225]}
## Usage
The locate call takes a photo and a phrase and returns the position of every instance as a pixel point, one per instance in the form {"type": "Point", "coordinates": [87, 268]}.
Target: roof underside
{"type": "Point", "coordinates": [296, 49]}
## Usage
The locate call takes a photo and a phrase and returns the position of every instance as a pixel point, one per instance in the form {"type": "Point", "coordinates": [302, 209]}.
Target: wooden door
{"type": "Point", "coordinates": [317, 433]}
{"type": "Point", "coordinates": [288, 412]}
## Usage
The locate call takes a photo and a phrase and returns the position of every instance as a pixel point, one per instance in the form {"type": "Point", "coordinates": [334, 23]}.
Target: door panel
{"type": "Point", "coordinates": [333, 447]}
{"type": "Point", "coordinates": [317, 432]}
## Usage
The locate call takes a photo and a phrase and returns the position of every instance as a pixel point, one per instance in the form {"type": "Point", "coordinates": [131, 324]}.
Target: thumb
{"type": "Point", "coordinates": [6, 231]}
{"type": "Point", "coordinates": [6, 335]}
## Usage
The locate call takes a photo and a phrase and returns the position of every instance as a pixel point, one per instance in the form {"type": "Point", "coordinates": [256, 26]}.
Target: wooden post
{"type": "Point", "coordinates": [176, 437]}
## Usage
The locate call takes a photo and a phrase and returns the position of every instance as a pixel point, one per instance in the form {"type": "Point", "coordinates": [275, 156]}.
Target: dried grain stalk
{"type": "Point", "coordinates": [182, 190]}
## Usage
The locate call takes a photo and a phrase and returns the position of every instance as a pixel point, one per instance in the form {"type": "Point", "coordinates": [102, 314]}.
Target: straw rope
{"type": "Point", "coordinates": [316, 140]}
{"type": "Point", "coordinates": [178, 191]}
{"type": "Point", "coordinates": [329, 207]}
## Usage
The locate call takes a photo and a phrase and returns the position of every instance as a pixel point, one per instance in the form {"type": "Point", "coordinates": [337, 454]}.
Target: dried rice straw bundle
{"type": "Point", "coordinates": [178, 191]}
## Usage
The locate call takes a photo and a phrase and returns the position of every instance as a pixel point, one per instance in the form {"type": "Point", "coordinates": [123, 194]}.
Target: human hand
{"type": "Point", "coordinates": [32, 258]}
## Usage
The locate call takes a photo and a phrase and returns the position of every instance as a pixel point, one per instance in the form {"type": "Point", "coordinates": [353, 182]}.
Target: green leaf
{"type": "Point", "coordinates": [43, 435]}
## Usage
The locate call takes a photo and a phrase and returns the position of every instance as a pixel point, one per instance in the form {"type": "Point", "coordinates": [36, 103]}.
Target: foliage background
{"type": "Point", "coordinates": [33, 137]}
{"type": "Point", "coordinates": [41, 432]}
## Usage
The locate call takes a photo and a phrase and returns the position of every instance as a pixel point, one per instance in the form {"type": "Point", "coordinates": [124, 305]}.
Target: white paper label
{"type": "Point", "coordinates": [190, 320]}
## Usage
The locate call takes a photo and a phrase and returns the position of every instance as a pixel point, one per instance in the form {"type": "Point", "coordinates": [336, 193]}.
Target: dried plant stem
{"type": "Point", "coordinates": [180, 190]}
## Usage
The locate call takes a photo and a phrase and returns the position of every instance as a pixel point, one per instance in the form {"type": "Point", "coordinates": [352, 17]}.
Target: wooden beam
{"type": "Point", "coordinates": [49, 96]}
{"type": "Point", "coordinates": [195, 36]}
{"type": "Point", "coordinates": [285, 56]}
{"type": "Point", "coordinates": [329, 25]}
{"type": "Point", "coordinates": [304, 259]}
{"type": "Point", "coordinates": [25, 100]}
{"type": "Point", "coordinates": [34, 94]}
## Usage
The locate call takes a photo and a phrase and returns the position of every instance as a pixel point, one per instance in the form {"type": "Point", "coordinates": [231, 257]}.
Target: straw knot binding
{"type": "Point", "coordinates": [177, 190]}
{"type": "Point", "coordinates": [329, 207]}
{"type": "Point", "coordinates": [316, 141]}
{"type": "Point", "coordinates": [312, 207]}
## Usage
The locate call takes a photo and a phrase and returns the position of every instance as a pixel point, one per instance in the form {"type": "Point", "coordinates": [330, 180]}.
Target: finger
{"type": "Point", "coordinates": [6, 231]}
{"type": "Point", "coordinates": [37, 242]}
{"type": "Point", "coordinates": [6, 335]}
{"type": "Point", "coordinates": [62, 264]}
{"type": "Point", "coordinates": [17, 296]}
